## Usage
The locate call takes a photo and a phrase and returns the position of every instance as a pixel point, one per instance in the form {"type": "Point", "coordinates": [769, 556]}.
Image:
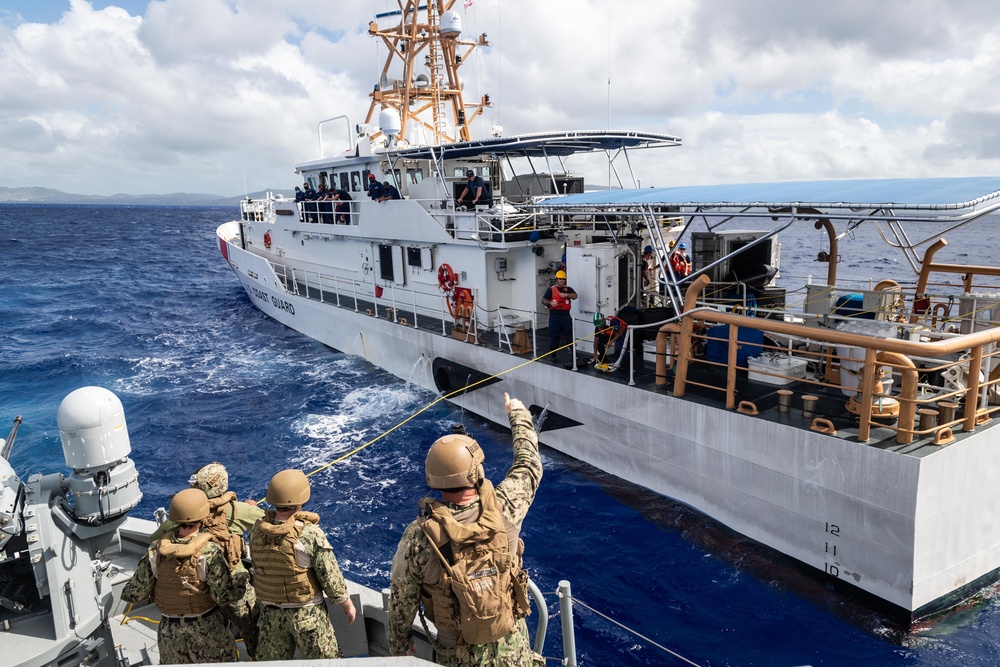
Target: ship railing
{"type": "Point", "coordinates": [968, 363]}
{"type": "Point", "coordinates": [508, 321]}
{"type": "Point", "coordinates": [631, 346]}
{"type": "Point", "coordinates": [257, 210]}
{"type": "Point", "coordinates": [468, 319]}
{"type": "Point", "coordinates": [498, 222]}
{"type": "Point", "coordinates": [934, 309]}
{"type": "Point", "coordinates": [924, 405]}
{"type": "Point", "coordinates": [484, 224]}
{"type": "Point", "coordinates": [599, 217]}
{"type": "Point", "coordinates": [323, 212]}
{"type": "Point", "coordinates": [400, 303]}
{"type": "Point", "coordinates": [425, 635]}
{"type": "Point", "coordinates": [966, 304]}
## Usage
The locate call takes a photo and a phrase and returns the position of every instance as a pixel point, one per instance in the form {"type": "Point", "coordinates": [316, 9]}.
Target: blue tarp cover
{"type": "Point", "coordinates": [750, 344]}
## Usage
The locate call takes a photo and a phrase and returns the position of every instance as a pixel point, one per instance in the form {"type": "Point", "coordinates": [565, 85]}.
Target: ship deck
{"type": "Point", "coordinates": [706, 383]}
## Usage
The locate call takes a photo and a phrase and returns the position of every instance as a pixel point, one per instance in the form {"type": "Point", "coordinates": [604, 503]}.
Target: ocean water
{"type": "Point", "coordinates": [139, 300]}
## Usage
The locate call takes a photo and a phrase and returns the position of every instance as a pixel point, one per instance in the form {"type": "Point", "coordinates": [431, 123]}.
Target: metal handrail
{"type": "Point", "coordinates": [903, 349]}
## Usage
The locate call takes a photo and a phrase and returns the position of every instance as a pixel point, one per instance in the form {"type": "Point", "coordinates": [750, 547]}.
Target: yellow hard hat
{"type": "Point", "coordinates": [561, 274]}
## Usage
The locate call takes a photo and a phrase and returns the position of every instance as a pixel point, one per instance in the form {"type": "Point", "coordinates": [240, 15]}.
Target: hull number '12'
{"type": "Point", "coordinates": [831, 549]}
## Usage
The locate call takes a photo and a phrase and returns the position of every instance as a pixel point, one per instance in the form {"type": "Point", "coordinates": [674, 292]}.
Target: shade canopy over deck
{"type": "Point", "coordinates": [913, 194]}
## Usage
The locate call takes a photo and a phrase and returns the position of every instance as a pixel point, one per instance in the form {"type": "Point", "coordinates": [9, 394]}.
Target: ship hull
{"type": "Point", "coordinates": [910, 531]}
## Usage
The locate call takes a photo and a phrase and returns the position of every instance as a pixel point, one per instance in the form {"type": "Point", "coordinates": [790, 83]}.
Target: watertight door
{"type": "Point", "coordinates": [591, 272]}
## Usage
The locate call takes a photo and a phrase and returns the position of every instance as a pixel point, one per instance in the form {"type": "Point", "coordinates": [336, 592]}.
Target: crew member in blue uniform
{"type": "Point", "coordinates": [475, 191]}
{"type": "Point", "coordinates": [374, 187]}
{"type": "Point", "coordinates": [389, 191]}
{"type": "Point", "coordinates": [343, 208]}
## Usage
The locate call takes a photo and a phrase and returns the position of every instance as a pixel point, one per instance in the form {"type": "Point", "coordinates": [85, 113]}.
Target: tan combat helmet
{"type": "Point", "coordinates": [288, 488]}
{"type": "Point", "coordinates": [454, 462]}
{"type": "Point", "coordinates": [189, 506]}
{"type": "Point", "coordinates": [213, 479]}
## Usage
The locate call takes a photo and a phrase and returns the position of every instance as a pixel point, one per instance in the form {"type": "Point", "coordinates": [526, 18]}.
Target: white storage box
{"type": "Point", "coordinates": [790, 368]}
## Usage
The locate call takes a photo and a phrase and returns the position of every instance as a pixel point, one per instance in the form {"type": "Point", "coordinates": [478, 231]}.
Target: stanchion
{"type": "Point", "coordinates": [566, 617]}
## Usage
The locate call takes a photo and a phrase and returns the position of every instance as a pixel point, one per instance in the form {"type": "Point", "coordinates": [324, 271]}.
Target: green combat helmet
{"type": "Point", "coordinates": [212, 479]}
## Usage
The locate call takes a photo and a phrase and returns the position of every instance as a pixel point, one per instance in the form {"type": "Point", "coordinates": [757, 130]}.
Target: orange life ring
{"type": "Point", "coordinates": [446, 278]}
{"type": "Point", "coordinates": [267, 240]}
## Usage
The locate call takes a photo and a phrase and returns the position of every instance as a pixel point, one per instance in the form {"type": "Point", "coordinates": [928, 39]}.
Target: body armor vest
{"type": "Point", "coordinates": [476, 593]}
{"type": "Point", "coordinates": [277, 577]}
{"type": "Point", "coordinates": [179, 591]}
{"type": "Point", "coordinates": [217, 525]}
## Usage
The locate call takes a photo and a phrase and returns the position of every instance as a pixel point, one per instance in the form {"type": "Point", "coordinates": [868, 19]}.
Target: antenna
{"type": "Point", "coordinates": [609, 85]}
{"type": "Point", "coordinates": [425, 49]}
{"type": "Point", "coordinates": [246, 193]}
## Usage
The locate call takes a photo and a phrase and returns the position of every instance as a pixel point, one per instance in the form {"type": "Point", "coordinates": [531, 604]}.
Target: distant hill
{"type": "Point", "coordinates": [34, 195]}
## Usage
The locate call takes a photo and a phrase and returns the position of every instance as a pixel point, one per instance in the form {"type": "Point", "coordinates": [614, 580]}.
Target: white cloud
{"type": "Point", "coordinates": [193, 92]}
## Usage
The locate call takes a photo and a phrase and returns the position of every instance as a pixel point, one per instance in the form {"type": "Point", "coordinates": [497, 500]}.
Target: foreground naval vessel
{"type": "Point", "coordinates": [68, 546]}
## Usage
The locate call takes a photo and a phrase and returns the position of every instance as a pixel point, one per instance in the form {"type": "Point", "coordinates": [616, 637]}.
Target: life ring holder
{"type": "Point", "coordinates": [460, 304]}
{"type": "Point", "coordinates": [447, 280]}
{"type": "Point", "coordinates": [267, 240]}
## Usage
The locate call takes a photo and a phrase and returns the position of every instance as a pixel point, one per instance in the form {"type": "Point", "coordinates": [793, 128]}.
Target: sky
{"type": "Point", "coordinates": [224, 96]}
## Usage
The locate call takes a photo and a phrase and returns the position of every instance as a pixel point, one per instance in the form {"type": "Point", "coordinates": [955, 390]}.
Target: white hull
{"type": "Point", "coordinates": [908, 530]}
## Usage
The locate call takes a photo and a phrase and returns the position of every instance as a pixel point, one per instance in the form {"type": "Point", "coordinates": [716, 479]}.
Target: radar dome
{"type": "Point", "coordinates": [451, 24]}
{"type": "Point", "coordinates": [104, 482]}
{"type": "Point", "coordinates": [389, 122]}
{"type": "Point", "coordinates": [92, 428]}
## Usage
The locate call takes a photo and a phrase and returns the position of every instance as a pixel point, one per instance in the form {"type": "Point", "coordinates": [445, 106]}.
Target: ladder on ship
{"type": "Point", "coordinates": [664, 274]}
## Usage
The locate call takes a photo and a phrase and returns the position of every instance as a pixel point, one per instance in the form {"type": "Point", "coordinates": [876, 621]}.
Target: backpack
{"type": "Point", "coordinates": [483, 589]}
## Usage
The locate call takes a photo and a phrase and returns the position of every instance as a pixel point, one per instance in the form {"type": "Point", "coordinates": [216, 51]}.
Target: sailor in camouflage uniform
{"type": "Point", "coordinates": [187, 576]}
{"type": "Point", "coordinates": [293, 566]}
{"type": "Point", "coordinates": [477, 527]}
{"type": "Point", "coordinates": [229, 519]}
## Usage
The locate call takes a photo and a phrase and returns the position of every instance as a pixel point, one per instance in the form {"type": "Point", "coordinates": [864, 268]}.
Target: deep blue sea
{"type": "Point", "coordinates": [139, 300]}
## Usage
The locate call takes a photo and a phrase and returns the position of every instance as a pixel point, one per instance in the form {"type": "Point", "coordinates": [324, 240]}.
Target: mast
{"type": "Point", "coordinates": [426, 46]}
